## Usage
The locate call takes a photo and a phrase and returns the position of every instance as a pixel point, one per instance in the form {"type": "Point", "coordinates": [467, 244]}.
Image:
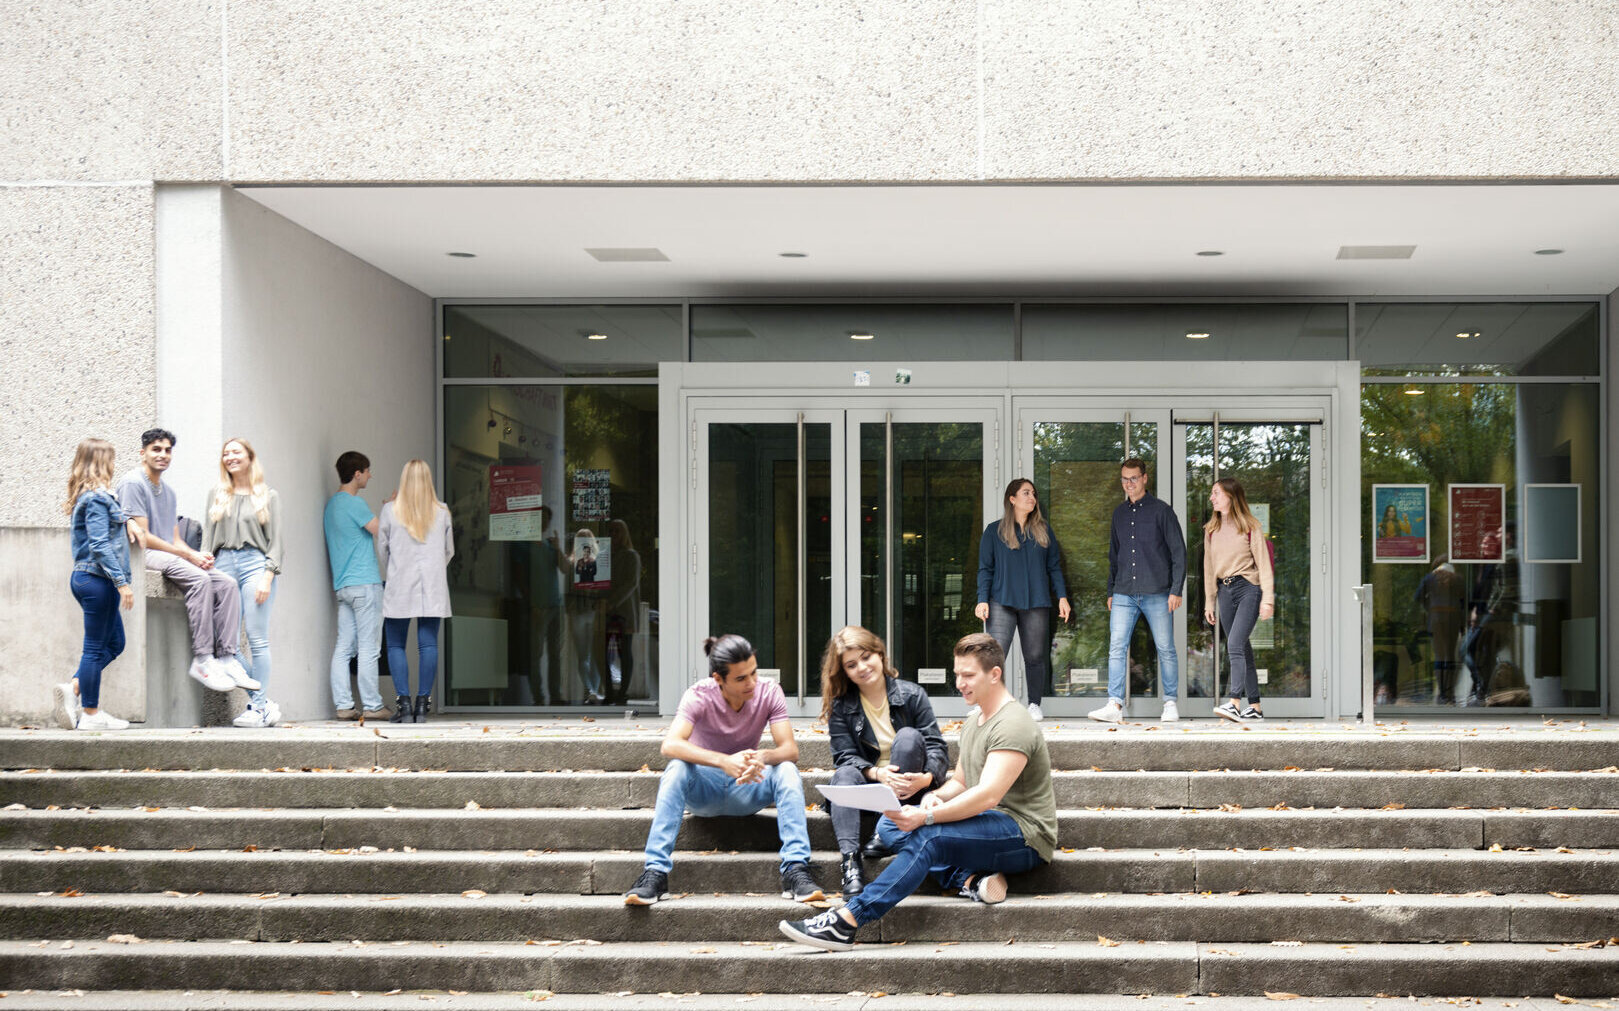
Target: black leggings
{"type": "Point", "coordinates": [1033, 626]}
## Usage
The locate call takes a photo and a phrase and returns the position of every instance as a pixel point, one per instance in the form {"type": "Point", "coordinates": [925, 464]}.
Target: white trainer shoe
{"type": "Point", "coordinates": [1110, 713]}
{"type": "Point", "coordinates": [1171, 714]}
{"type": "Point", "coordinates": [102, 720]}
{"type": "Point", "coordinates": [232, 666]}
{"type": "Point", "coordinates": [207, 670]}
{"type": "Point", "coordinates": [1035, 713]}
{"type": "Point", "coordinates": [65, 705]}
{"type": "Point", "coordinates": [272, 713]}
{"type": "Point", "coordinates": [250, 717]}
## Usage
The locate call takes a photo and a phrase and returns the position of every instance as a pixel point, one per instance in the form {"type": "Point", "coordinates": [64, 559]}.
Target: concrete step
{"type": "Point", "coordinates": [688, 966]}
{"type": "Point", "coordinates": [1322, 871]}
{"type": "Point", "coordinates": [615, 745]}
{"type": "Point", "coordinates": [378, 788]}
{"type": "Point", "coordinates": [1258, 918]}
{"type": "Point", "coordinates": [565, 828]}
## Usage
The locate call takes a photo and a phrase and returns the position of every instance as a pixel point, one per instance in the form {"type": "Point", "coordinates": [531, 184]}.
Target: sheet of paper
{"type": "Point", "coordinates": [867, 797]}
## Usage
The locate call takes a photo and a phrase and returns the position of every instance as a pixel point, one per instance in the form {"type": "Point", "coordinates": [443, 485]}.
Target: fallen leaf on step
{"type": "Point", "coordinates": [1287, 944]}
{"type": "Point", "coordinates": [69, 893]}
{"type": "Point", "coordinates": [472, 805]}
{"type": "Point", "coordinates": [1560, 895]}
{"type": "Point", "coordinates": [1564, 1000]}
{"type": "Point", "coordinates": [1106, 942]}
{"type": "Point", "coordinates": [1281, 995]}
{"type": "Point", "coordinates": [460, 993]}
{"type": "Point", "coordinates": [705, 951]}
{"type": "Point", "coordinates": [1396, 806]}
{"type": "Point", "coordinates": [1496, 848]}
{"type": "Point", "coordinates": [473, 893]}
{"type": "Point", "coordinates": [124, 939]}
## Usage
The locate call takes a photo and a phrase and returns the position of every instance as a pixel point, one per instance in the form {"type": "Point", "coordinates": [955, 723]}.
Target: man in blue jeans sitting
{"type": "Point", "coordinates": [1146, 570]}
{"type": "Point", "coordinates": [996, 814]}
{"type": "Point", "coordinates": [717, 769]}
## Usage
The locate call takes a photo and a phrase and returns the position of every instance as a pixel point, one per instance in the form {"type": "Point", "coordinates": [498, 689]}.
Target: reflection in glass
{"type": "Point", "coordinates": [1478, 338]}
{"type": "Point", "coordinates": [1500, 634]}
{"type": "Point", "coordinates": [1076, 475]}
{"type": "Point", "coordinates": [1158, 332]}
{"type": "Point", "coordinates": [1272, 461]}
{"type": "Point", "coordinates": [494, 341]}
{"type": "Point", "coordinates": [938, 475]}
{"type": "Point", "coordinates": [753, 580]}
{"type": "Point", "coordinates": [554, 499]}
{"type": "Point", "coordinates": [838, 333]}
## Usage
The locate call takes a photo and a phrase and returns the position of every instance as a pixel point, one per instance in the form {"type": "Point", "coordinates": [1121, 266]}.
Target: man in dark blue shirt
{"type": "Point", "coordinates": [1146, 569]}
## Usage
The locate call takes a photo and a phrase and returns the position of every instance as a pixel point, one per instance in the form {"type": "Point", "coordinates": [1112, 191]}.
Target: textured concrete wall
{"type": "Point", "coordinates": [895, 90]}
{"type": "Point", "coordinates": [76, 336]}
{"type": "Point", "coordinates": [322, 353]}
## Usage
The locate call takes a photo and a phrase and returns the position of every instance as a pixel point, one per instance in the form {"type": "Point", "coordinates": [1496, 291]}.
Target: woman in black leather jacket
{"type": "Point", "coordinates": [883, 731]}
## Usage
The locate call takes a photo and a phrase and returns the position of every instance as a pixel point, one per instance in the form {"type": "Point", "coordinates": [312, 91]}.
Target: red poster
{"type": "Point", "coordinates": [514, 503]}
{"type": "Point", "coordinates": [1478, 517]}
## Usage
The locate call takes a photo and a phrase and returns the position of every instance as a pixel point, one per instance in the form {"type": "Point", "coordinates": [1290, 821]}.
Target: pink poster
{"type": "Point", "coordinates": [514, 503]}
{"type": "Point", "coordinates": [1478, 515]}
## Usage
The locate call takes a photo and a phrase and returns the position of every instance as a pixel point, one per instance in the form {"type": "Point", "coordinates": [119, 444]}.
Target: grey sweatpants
{"type": "Point", "coordinates": [213, 606]}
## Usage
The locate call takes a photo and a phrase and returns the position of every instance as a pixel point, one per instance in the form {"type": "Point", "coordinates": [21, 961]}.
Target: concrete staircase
{"type": "Point", "coordinates": [1213, 861]}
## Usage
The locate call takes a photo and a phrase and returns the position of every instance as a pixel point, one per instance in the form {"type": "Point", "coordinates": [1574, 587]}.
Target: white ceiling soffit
{"type": "Point", "coordinates": [534, 241]}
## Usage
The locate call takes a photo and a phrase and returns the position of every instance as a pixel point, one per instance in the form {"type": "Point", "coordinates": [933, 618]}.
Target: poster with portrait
{"type": "Point", "coordinates": [592, 495]}
{"type": "Point", "coordinates": [514, 503]}
{"type": "Point", "coordinates": [592, 561]}
{"type": "Point", "coordinates": [1478, 514]}
{"type": "Point", "coordinates": [1400, 523]}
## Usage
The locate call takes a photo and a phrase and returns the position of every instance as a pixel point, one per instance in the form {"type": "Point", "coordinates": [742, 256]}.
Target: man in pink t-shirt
{"type": "Point", "coordinates": [717, 769]}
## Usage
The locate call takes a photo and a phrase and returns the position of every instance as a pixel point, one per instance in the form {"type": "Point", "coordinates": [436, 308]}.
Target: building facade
{"type": "Point", "coordinates": [765, 305]}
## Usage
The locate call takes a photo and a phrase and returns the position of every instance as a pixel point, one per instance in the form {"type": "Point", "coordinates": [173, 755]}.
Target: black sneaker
{"type": "Point", "coordinates": [1252, 713]}
{"type": "Point", "coordinates": [798, 884]}
{"type": "Point", "coordinates": [1227, 711]}
{"type": "Point", "coordinates": [649, 888]}
{"type": "Point", "coordinates": [827, 931]}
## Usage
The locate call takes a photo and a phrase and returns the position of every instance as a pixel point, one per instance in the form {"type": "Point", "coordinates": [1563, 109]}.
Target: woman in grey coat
{"type": "Point", "coordinates": [414, 546]}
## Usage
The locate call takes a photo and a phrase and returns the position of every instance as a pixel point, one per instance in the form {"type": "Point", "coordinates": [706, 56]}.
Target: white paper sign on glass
{"type": "Point", "coordinates": [866, 797]}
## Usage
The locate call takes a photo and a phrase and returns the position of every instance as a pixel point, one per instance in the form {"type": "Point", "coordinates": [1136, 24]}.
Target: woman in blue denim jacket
{"type": "Point", "coordinates": [100, 583]}
{"type": "Point", "coordinates": [882, 730]}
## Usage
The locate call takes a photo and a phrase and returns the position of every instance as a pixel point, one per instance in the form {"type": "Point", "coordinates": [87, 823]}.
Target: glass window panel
{"type": "Point", "coordinates": [538, 341]}
{"type": "Point", "coordinates": [1510, 634]}
{"type": "Point", "coordinates": [818, 333]}
{"type": "Point", "coordinates": [1478, 338]}
{"type": "Point", "coordinates": [516, 586]}
{"type": "Point", "coordinates": [753, 584]}
{"type": "Point", "coordinates": [1281, 332]}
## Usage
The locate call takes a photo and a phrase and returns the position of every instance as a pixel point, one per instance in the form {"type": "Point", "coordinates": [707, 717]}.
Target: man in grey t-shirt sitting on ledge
{"type": "Point", "coordinates": [213, 606]}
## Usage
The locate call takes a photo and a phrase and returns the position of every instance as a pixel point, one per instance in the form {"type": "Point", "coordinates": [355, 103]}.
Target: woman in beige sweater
{"type": "Point", "coordinates": [1236, 563]}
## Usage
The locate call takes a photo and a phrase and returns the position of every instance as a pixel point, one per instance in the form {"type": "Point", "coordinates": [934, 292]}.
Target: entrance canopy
{"type": "Point", "coordinates": [801, 241]}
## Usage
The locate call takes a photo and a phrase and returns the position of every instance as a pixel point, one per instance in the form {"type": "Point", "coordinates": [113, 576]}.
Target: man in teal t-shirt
{"type": "Point", "coordinates": [353, 555]}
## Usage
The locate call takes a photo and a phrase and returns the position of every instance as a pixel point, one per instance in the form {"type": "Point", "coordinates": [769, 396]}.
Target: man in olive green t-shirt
{"type": "Point", "coordinates": [996, 814]}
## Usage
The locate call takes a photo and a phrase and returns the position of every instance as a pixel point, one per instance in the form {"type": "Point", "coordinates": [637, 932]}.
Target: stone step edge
{"type": "Point", "coordinates": [1307, 969]}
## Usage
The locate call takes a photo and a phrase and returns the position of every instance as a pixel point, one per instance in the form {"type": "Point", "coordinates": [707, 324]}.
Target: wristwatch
{"type": "Point", "coordinates": [928, 820]}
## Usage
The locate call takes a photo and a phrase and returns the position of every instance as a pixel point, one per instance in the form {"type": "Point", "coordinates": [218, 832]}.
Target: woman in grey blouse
{"type": "Point", "coordinates": [244, 534]}
{"type": "Point", "coordinates": [414, 545]}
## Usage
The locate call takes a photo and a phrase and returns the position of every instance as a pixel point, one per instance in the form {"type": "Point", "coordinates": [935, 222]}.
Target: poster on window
{"type": "Point", "coordinates": [592, 496]}
{"type": "Point", "coordinates": [1400, 523]}
{"type": "Point", "coordinates": [1552, 524]}
{"type": "Point", "coordinates": [1478, 514]}
{"type": "Point", "coordinates": [514, 503]}
{"type": "Point", "coordinates": [592, 561]}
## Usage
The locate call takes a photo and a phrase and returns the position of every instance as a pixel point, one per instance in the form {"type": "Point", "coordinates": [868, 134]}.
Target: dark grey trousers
{"type": "Point", "coordinates": [853, 827]}
{"type": "Point", "coordinates": [1239, 612]}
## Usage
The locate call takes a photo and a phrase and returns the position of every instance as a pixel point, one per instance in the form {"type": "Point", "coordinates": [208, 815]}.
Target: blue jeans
{"type": "Point", "coordinates": [426, 654]}
{"type": "Point", "coordinates": [359, 634]}
{"type": "Point", "coordinates": [244, 566]}
{"type": "Point", "coordinates": [952, 852]}
{"type": "Point", "coordinates": [709, 793]}
{"type": "Point", "coordinates": [103, 632]}
{"type": "Point", "coordinates": [1122, 624]}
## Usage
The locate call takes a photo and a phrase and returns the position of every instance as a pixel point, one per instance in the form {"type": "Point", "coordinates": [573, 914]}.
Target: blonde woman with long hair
{"type": "Point", "coordinates": [414, 545]}
{"type": "Point", "coordinates": [882, 730]}
{"type": "Point", "coordinates": [100, 583]}
{"type": "Point", "coordinates": [1019, 571]}
{"type": "Point", "coordinates": [243, 531]}
{"type": "Point", "coordinates": [1236, 565]}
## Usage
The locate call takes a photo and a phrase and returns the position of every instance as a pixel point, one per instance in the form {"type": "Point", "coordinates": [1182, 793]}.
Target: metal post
{"type": "Point", "coordinates": [803, 558]}
{"type": "Point", "coordinates": [1214, 652]}
{"type": "Point", "coordinates": [895, 647]}
{"type": "Point", "coordinates": [1363, 594]}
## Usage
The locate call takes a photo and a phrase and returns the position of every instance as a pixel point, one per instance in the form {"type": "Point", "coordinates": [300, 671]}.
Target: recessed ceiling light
{"type": "Point", "coordinates": [1466, 334]}
{"type": "Point", "coordinates": [595, 336]}
{"type": "Point", "coordinates": [1196, 335]}
{"type": "Point", "coordinates": [862, 336]}
{"type": "Point", "coordinates": [1211, 252]}
{"type": "Point", "coordinates": [793, 256]}
{"type": "Point", "coordinates": [1548, 252]}
{"type": "Point", "coordinates": [1414, 391]}
{"type": "Point", "coordinates": [462, 256]}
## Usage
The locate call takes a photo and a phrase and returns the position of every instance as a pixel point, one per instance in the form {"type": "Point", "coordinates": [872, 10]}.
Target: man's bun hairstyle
{"type": "Point", "coordinates": [724, 650]}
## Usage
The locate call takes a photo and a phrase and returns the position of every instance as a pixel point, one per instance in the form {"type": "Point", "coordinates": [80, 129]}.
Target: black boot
{"type": "Point", "coordinates": [424, 706]}
{"type": "Point", "coordinates": [874, 848]}
{"type": "Point", "coordinates": [401, 709]}
{"type": "Point", "coordinates": [854, 876]}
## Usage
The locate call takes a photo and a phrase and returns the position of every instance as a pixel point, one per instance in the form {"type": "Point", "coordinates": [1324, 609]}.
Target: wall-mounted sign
{"type": "Point", "coordinates": [1478, 515]}
{"type": "Point", "coordinates": [1552, 523]}
{"type": "Point", "coordinates": [514, 503]}
{"type": "Point", "coordinates": [592, 562]}
{"type": "Point", "coordinates": [592, 496]}
{"type": "Point", "coordinates": [1400, 523]}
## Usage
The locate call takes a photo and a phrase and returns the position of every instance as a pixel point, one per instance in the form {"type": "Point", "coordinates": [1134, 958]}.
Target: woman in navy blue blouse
{"type": "Point", "coordinates": [1019, 571]}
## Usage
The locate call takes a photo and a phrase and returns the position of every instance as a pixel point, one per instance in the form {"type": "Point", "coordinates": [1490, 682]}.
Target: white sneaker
{"type": "Point", "coordinates": [1035, 713]}
{"type": "Point", "coordinates": [207, 670]}
{"type": "Point", "coordinates": [1171, 714]}
{"type": "Point", "coordinates": [252, 716]}
{"type": "Point", "coordinates": [232, 666]}
{"type": "Point", "coordinates": [65, 705]}
{"type": "Point", "coordinates": [272, 713]}
{"type": "Point", "coordinates": [1110, 713]}
{"type": "Point", "coordinates": [102, 720]}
